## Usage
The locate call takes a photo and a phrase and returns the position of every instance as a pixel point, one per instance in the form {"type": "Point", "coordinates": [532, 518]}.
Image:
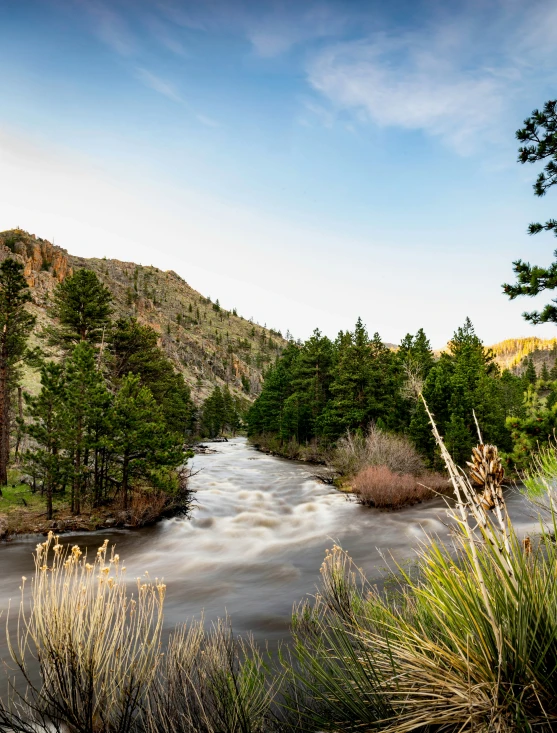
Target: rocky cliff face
{"type": "Point", "coordinates": [45, 265]}
{"type": "Point", "coordinates": [208, 344]}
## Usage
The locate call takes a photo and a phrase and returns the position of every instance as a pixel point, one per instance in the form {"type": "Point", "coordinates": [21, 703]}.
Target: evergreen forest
{"type": "Point", "coordinates": [320, 390]}
{"type": "Point", "coordinates": [112, 414]}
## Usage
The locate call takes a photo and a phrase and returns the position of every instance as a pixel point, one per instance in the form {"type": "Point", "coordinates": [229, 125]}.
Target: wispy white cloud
{"type": "Point", "coordinates": [157, 84]}
{"type": "Point", "coordinates": [315, 113]}
{"type": "Point", "coordinates": [165, 34]}
{"type": "Point", "coordinates": [207, 121]}
{"type": "Point", "coordinates": [271, 27]}
{"type": "Point", "coordinates": [425, 95]}
{"type": "Point", "coordinates": [453, 78]}
{"type": "Point", "coordinates": [110, 27]}
{"type": "Point", "coordinates": [274, 33]}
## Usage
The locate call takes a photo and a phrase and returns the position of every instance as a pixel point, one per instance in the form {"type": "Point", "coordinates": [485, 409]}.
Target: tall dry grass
{"type": "Point", "coordinates": [97, 646]}
{"type": "Point", "coordinates": [355, 452]}
{"type": "Point", "coordinates": [211, 682]}
{"type": "Point", "coordinates": [101, 665]}
{"type": "Point", "coordinates": [469, 643]}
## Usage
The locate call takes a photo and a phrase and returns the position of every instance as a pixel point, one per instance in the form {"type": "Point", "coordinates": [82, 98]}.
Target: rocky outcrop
{"type": "Point", "coordinates": [45, 264]}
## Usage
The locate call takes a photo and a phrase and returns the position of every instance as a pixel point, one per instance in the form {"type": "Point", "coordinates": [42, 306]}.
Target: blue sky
{"type": "Point", "coordinates": [306, 162]}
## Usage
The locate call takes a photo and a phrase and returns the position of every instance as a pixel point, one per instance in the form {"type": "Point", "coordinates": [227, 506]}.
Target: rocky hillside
{"type": "Point", "coordinates": [209, 345]}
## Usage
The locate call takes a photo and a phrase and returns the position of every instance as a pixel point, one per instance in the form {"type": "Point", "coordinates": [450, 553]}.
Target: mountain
{"type": "Point", "coordinates": [208, 344]}
{"type": "Point", "coordinates": [509, 354]}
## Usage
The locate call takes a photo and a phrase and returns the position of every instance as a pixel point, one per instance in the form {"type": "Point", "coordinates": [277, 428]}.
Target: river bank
{"type": "Point", "coordinates": [22, 511]}
{"type": "Point", "coordinates": [379, 469]}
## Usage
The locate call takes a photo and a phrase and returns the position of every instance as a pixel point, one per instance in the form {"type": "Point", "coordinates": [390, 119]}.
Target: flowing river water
{"type": "Point", "coordinates": [255, 541]}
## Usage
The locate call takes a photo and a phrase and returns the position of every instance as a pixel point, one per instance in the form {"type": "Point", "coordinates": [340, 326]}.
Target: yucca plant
{"type": "Point", "coordinates": [470, 644]}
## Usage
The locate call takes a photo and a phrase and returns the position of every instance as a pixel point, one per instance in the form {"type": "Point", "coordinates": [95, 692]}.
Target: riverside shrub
{"type": "Point", "coordinates": [380, 487]}
{"type": "Point", "coordinates": [355, 452]}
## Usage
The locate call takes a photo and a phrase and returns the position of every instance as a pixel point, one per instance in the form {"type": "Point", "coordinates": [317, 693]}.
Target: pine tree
{"type": "Point", "coordinates": [349, 409]}
{"type": "Point", "coordinates": [416, 356]}
{"type": "Point", "coordinates": [463, 381]}
{"type": "Point", "coordinates": [82, 307]}
{"type": "Point", "coordinates": [530, 375]}
{"type": "Point", "coordinates": [415, 359]}
{"type": "Point", "coordinates": [311, 381]}
{"type": "Point", "coordinates": [267, 414]}
{"type": "Point", "coordinates": [133, 348]}
{"type": "Point", "coordinates": [364, 386]}
{"type": "Point", "coordinates": [47, 411]}
{"type": "Point", "coordinates": [15, 326]}
{"type": "Point", "coordinates": [539, 138]}
{"type": "Point", "coordinates": [544, 376]}
{"type": "Point", "coordinates": [214, 414]}
{"type": "Point", "coordinates": [83, 390]}
{"type": "Point", "coordinates": [139, 438]}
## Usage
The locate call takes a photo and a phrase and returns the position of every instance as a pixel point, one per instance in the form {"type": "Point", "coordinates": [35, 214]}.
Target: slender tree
{"type": "Point", "coordinates": [47, 411]}
{"type": "Point", "coordinates": [530, 374]}
{"type": "Point", "coordinates": [16, 324]}
{"type": "Point", "coordinates": [83, 390]}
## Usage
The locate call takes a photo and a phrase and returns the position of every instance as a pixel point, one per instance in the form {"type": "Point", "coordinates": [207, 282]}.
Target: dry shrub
{"type": "Point", "coordinates": [146, 507]}
{"type": "Point", "coordinates": [379, 486]}
{"type": "Point", "coordinates": [377, 448]}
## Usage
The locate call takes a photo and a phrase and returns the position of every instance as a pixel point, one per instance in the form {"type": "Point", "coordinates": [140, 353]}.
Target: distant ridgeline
{"type": "Point", "coordinates": [209, 345]}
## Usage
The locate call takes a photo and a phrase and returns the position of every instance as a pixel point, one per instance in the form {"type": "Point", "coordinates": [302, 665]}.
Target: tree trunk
{"type": "Point", "coordinates": [49, 498]}
{"type": "Point", "coordinates": [20, 414]}
{"type": "Point", "coordinates": [96, 479]}
{"type": "Point", "coordinates": [77, 482]}
{"type": "Point", "coordinates": [4, 410]}
{"type": "Point", "coordinates": [125, 470]}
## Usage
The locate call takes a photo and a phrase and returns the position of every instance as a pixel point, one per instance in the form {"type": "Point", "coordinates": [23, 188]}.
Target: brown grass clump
{"type": "Point", "coordinates": [381, 487]}
{"type": "Point", "coordinates": [146, 507]}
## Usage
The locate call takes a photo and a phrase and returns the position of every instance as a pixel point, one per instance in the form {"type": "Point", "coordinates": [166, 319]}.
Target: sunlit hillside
{"type": "Point", "coordinates": [510, 353]}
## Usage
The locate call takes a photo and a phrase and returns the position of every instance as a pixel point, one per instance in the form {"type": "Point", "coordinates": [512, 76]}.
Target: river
{"type": "Point", "coordinates": [255, 541]}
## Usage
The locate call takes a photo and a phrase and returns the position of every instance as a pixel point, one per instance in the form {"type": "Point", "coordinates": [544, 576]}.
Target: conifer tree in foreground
{"type": "Point", "coordinates": [16, 324]}
{"type": "Point", "coordinates": [138, 435]}
{"type": "Point", "coordinates": [539, 138]}
{"type": "Point", "coordinates": [47, 411]}
{"type": "Point", "coordinates": [84, 389]}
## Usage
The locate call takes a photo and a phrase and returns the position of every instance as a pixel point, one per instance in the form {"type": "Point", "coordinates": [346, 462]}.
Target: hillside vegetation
{"type": "Point", "coordinates": [209, 345]}
{"type": "Point", "coordinates": [511, 353]}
